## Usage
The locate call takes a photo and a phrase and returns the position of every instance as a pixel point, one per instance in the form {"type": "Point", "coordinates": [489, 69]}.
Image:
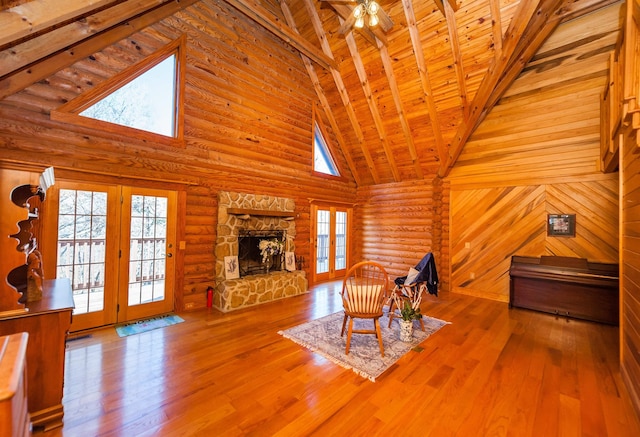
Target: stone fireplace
{"type": "Point", "coordinates": [241, 215]}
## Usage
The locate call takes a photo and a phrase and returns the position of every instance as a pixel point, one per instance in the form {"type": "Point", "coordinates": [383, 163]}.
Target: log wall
{"type": "Point", "coordinates": [398, 223]}
{"type": "Point", "coordinates": [537, 153]}
{"type": "Point", "coordinates": [248, 126]}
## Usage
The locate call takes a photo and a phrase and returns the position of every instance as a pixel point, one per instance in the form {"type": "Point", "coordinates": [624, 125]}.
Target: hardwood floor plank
{"type": "Point", "coordinates": [492, 371]}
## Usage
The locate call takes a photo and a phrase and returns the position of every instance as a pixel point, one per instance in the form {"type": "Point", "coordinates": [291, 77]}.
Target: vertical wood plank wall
{"type": "Point", "coordinates": [630, 259]}
{"type": "Point", "coordinates": [624, 98]}
{"type": "Point", "coordinates": [537, 153]}
{"type": "Point", "coordinates": [248, 127]}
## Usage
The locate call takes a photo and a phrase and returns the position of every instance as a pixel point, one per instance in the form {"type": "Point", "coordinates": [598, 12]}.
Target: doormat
{"type": "Point", "coordinates": [323, 336]}
{"type": "Point", "coordinates": [148, 324]}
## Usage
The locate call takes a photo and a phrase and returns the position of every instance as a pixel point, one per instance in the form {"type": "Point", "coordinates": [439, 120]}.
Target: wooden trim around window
{"type": "Point", "coordinates": [69, 112]}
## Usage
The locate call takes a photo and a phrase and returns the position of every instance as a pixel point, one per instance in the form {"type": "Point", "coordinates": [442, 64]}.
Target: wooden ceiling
{"type": "Point", "coordinates": [400, 104]}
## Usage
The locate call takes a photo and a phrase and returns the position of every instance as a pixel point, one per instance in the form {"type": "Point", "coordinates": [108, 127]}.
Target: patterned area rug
{"type": "Point", "coordinates": [323, 336]}
{"type": "Point", "coordinates": [148, 324]}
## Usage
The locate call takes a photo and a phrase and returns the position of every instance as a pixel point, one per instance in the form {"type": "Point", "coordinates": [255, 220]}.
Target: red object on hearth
{"type": "Point", "coordinates": [209, 296]}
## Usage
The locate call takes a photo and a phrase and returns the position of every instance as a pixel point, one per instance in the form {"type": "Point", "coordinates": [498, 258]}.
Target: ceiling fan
{"type": "Point", "coordinates": [365, 12]}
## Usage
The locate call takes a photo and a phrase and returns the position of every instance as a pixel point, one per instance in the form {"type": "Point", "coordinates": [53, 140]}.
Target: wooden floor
{"type": "Point", "coordinates": [492, 372]}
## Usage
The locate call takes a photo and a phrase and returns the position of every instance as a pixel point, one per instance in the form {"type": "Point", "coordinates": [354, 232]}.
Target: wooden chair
{"type": "Point", "coordinates": [421, 279]}
{"type": "Point", "coordinates": [364, 292]}
{"type": "Point", "coordinates": [402, 293]}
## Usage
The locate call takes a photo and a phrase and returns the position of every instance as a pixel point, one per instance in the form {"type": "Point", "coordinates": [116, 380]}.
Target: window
{"type": "Point", "coordinates": [323, 158]}
{"type": "Point", "coordinates": [143, 101]}
{"type": "Point", "coordinates": [147, 103]}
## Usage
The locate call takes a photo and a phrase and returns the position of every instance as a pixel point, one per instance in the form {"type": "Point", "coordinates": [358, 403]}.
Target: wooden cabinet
{"type": "Point", "coordinates": [16, 232]}
{"type": "Point", "coordinates": [14, 416]}
{"type": "Point", "coordinates": [47, 321]}
{"type": "Point", "coordinates": [571, 287]}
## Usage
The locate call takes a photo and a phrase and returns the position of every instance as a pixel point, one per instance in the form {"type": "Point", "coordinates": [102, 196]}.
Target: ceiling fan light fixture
{"type": "Point", "coordinates": [358, 11]}
{"type": "Point", "coordinates": [366, 10]}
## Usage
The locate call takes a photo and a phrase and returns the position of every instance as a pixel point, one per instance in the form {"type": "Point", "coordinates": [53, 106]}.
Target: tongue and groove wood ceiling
{"type": "Point", "coordinates": [401, 103]}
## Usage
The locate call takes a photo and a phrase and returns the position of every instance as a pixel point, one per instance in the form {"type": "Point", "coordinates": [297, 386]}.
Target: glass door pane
{"type": "Point", "coordinates": [323, 225]}
{"type": "Point", "coordinates": [82, 233]}
{"type": "Point", "coordinates": [147, 249]}
{"type": "Point", "coordinates": [341, 241]}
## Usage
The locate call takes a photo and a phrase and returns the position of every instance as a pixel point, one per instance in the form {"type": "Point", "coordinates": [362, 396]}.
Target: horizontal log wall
{"type": "Point", "coordinates": [398, 223]}
{"type": "Point", "coordinates": [248, 127]}
{"type": "Point", "coordinates": [537, 153]}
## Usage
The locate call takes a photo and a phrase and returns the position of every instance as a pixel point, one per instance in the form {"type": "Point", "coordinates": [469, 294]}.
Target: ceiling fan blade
{"type": "Point", "coordinates": [347, 25]}
{"type": "Point", "coordinates": [385, 21]}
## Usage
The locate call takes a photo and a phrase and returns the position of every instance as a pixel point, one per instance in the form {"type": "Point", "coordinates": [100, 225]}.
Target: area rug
{"type": "Point", "coordinates": [323, 336]}
{"type": "Point", "coordinates": [148, 324]}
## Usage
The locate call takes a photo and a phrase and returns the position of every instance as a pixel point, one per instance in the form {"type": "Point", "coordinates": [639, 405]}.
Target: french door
{"type": "Point", "coordinates": [331, 242]}
{"type": "Point", "coordinates": [115, 245]}
{"type": "Point", "coordinates": [147, 246]}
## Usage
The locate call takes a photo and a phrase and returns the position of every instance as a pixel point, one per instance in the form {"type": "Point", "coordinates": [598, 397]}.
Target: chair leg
{"type": "Point", "coordinates": [379, 335]}
{"type": "Point", "coordinates": [422, 323]}
{"type": "Point", "coordinates": [344, 322]}
{"type": "Point", "coordinates": [392, 313]}
{"type": "Point", "coordinates": [346, 352]}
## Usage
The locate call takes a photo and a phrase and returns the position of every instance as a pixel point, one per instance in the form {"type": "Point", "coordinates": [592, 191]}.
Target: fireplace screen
{"type": "Point", "coordinates": [249, 256]}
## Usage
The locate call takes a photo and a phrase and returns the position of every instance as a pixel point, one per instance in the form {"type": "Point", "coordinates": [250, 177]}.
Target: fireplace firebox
{"type": "Point", "coordinates": [249, 256]}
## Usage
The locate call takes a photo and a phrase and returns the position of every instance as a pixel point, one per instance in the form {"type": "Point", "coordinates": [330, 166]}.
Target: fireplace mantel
{"type": "Point", "coordinates": [260, 212]}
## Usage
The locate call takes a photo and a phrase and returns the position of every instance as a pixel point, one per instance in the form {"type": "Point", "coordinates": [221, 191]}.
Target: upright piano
{"type": "Point", "coordinates": [572, 287]}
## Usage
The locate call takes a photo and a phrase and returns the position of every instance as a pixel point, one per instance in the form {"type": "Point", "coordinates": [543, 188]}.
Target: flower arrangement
{"type": "Point", "coordinates": [270, 247]}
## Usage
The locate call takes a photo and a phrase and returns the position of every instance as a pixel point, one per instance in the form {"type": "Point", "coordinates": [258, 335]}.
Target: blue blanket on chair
{"type": "Point", "coordinates": [426, 273]}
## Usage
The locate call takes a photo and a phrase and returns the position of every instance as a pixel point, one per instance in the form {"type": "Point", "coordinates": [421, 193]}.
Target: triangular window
{"type": "Point", "coordinates": [322, 160]}
{"type": "Point", "coordinates": [147, 103]}
{"type": "Point", "coordinates": [144, 97]}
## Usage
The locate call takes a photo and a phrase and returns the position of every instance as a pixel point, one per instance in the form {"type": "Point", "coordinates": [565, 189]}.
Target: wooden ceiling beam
{"type": "Point", "coordinates": [373, 107]}
{"type": "Point", "coordinates": [371, 35]}
{"type": "Point", "coordinates": [45, 67]}
{"type": "Point", "coordinates": [326, 106]}
{"type": "Point", "coordinates": [402, 115]}
{"type": "Point", "coordinates": [29, 19]}
{"type": "Point", "coordinates": [529, 15]}
{"type": "Point", "coordinates": [33, 50]}
{"type": "Point", "coordinates": [442, 5]}
{"type": "Point", "coordinates": [379, 39]}
{"type": "Point", "coordinates": [530, 19]}
{"type": "Point", "coordinates": [425, 82]}
{"type": "Point", "coordinates": [261, 16]}
{"type": "Point", "coordinates": [342, 90]}
{"type": "Point", "coordinates": [452, 27]}
{"type": "Point", "coordinates": [496, 26]}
